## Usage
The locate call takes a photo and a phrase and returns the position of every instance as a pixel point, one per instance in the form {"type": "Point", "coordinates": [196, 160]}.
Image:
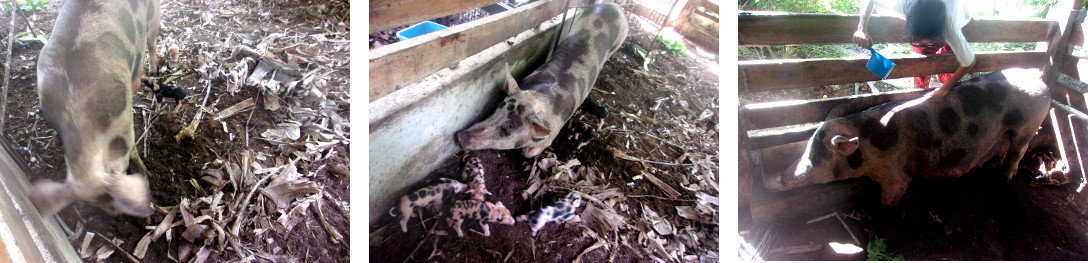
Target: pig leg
{"type": "Point", "coordinates": [50, 197]}
{"type": "Point", "coordinates": [135, 164]}
{"type": "Point", "coordinates": [487, 231]}
{"type": "Point", "coordinates": [457, 226]}
{"type": "Point", "coordinates": [537, 226]}
{"type": "Point", "coordinates": [405, 215]}
{"type": "Point", "coordinates": [893, 185]}
{"type": "Point", "coordinates": [152, 34]}
{"type": "Point", "coordinates": [130, 194]}
{"type": "Point", "coordinates": [1016, 152]}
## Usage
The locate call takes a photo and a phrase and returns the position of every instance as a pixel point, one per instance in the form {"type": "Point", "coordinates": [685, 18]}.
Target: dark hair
{"type": "Point", "coordinates": [927, 19]}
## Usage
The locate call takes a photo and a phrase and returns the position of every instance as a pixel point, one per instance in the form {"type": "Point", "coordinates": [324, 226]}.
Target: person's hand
{"type": "Point", "coordinates": [863, 39]}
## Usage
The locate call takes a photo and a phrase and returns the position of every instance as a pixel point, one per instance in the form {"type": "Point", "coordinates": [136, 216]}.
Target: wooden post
{"type": "Point", "coordinates": [1060, 54]}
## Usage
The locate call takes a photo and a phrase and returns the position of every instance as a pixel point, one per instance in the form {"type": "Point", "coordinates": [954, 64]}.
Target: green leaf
{"type": "Point", "coordinates": [877, 250]}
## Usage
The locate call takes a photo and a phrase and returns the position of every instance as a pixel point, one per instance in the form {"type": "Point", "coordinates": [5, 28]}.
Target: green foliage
{"type": "Point", "coordinates": [674, 46]}
{"type": "Point", "coordinates": [1039, 7]}
{"type": "Point", "coordinates": [647, 57]}
{"type": "Point", "coordinates": [811, 51]}
{"type": "Point", "coordinates": [1015, 46]}
{"type": "Point", "coordinates": [26, 38]}
{"type": "Point", "coordinates": [893, 49]}
{"type": "Point", "coordinates": [878, 250]}
{"type": "Point", "coordinates": [27, 6]}
{"type": "Point", "coordinates": [803, 6]}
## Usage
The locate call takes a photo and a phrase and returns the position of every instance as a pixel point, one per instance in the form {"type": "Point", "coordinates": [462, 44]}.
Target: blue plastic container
{"type": "Point", "coordinates": [420, 29]}
{"type": "Point", "coordinates": [880, 65]}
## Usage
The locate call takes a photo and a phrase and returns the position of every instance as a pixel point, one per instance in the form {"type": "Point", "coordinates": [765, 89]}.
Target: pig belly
{"type": "Point", "coordinates": [969, 161]}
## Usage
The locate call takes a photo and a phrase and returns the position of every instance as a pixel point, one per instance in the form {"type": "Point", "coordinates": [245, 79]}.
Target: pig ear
{"type": "Point", "coordinates": [844, 145]}
{"type": "Point", "coordinates": [511, 85]}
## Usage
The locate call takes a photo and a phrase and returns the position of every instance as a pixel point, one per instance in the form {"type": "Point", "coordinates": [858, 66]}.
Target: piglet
{"type": "Point", "coordinates": [430, 197]}
{"type": "Point", "coordinates": [87, 73]}
{"type": "Point", "coordinates": [562, 210]}
{"type": "Point", "coordinates": [474, 175]}
{"type": "Point", "coordinates": [479, 210]}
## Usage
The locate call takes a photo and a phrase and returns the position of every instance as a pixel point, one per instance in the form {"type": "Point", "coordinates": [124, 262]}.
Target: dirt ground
{"type": "Point", "coordinates": [975, 217]}
{"type": "Point", "coordinates": [207, 184]}
{"type": "Point", "coordinates": [663, 124]}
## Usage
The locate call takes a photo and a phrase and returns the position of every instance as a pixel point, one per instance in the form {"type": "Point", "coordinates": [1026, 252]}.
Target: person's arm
{"type": "Point", "coordinates": [965, 57]}
{"type": "Point", "coordinates": [939, 93]}
{"type": "Point", "coordinates": [861, 37]}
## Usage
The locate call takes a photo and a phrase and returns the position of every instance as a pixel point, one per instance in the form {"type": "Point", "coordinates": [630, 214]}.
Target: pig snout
{"type": "Point", "coordinates": [128, 194]}
{"type": "Point", "coordinates": [466, 140]}
{"type": "Point", "coordinates": [774, 182]}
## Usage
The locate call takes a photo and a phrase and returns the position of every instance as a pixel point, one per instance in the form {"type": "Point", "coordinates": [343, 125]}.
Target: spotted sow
{"type": "Point", "coordinates": [990, 118]}
{"type": "Point", "coordinates": [535, 109]}
{"type": "Point", "coordinates": [87, 73]}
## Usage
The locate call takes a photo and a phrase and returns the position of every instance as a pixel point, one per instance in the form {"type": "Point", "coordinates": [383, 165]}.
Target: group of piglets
{"type": "Point", "coordinates": [475, 207]}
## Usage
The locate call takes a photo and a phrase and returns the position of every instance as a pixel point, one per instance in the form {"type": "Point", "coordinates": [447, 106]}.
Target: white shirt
{"type": "Point", "coordinates": [958, 16]}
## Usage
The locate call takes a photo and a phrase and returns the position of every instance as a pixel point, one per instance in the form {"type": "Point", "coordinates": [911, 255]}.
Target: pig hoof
{"type": "Point", "coordinates": [131, 195]}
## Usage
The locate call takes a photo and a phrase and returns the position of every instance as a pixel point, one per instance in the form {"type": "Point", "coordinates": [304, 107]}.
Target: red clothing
{"type": "Point", "coordinates": [923, 81]}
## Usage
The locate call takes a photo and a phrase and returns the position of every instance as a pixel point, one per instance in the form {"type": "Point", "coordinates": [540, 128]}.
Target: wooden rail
{"type": "Point", "coordinates": [780, 29]}
{"type": "Point", "coordinates": [779, 114]}
{"type": "Point", "coordinates": [398, 65]}
{"type": "Point", "coordinates": [386, 14]}
{"type": "Point", "coordinates": [766, 75]}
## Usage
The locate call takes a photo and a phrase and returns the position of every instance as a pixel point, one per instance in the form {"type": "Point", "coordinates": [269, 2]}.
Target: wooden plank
{"type": "Point", "coordinates": [712, 7]}
{"type": "Point", "coordinates": [770, 138]}
{"type": "Point", "coordinates": [1061, 124]}
{"type": "Point", "coordinates": [686, 10]}
{"type": "Point", "coordinates": [26, 235]}
{"type": "Point", "coordinates": [765, 75]}
{"type": "Point", "coordinates": [807, 202]}
{"type": "Point", "coordinates": [395, 66]}
{"type": "Point", "coordinates": [1077, 125]}
{"type": "Point", "coordinates": [777, 114]}
{"type": "Point", "coordinates": [386, 14]}
{"type": "Point", "coordinates": [776, 28]}
{"type": "Point", "coordinates": [803, 203]}
{"type": "Point", "coordinates": [702, 23]}
{"type": "Point", "coordinates": [700, 37]}
{"type": "Point", "coordinates": [652, 15]}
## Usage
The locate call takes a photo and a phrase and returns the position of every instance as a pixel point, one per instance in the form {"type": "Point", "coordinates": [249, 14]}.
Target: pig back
{"type": "Point", "coordinates": [572, 70]}
{"type": "Point", "coordinates": [978, 120]}
{"type": "Point", "coordinates": [87, 67]}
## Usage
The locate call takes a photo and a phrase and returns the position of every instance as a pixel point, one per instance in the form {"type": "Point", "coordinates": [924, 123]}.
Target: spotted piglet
{"type": "Point", "coordinates": [479, 210]}
{"type": "Point", "coordinates": [430, 197]}
{"type": "Point", "coordinates": [474, 175]}
{"type": "Point", "coordinates": [563, 210]}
